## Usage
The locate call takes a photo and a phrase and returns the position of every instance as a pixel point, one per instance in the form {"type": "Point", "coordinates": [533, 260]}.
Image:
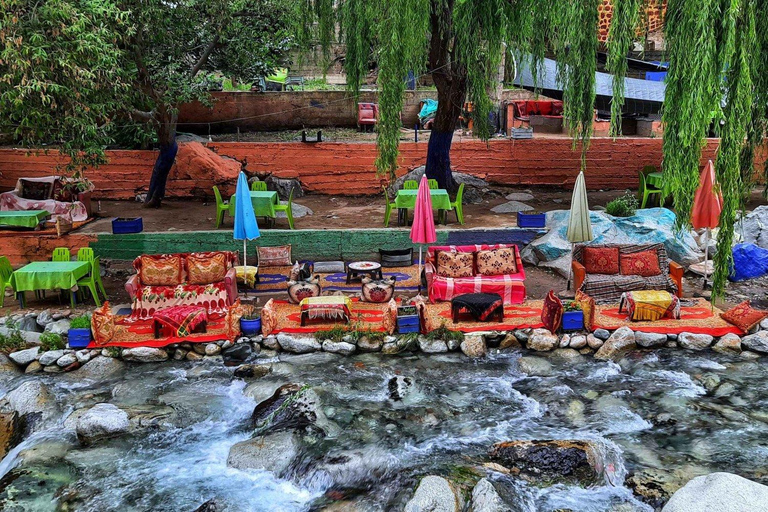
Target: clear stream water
{"type": "Point", "coordinates": [648, 411]}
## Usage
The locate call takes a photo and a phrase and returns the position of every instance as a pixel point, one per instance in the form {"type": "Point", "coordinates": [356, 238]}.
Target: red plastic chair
{"type": "Point", "coordinates": [367, 114]}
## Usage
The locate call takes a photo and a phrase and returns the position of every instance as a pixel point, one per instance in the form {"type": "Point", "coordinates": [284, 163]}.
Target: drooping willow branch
{"type": "Point", "coordinates": [621, 35]}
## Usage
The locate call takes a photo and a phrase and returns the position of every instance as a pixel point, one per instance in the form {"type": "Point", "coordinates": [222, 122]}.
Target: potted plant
{"type": "Point", "coordinates": [250, 322]}
{"type": "Point", "coordinates": [573, 316]}
{"type": "Point", "coordinates": [79, 335]}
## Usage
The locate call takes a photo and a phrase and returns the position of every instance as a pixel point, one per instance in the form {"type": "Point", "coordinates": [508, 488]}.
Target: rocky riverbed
{"type": "Point", "coordinates": [514, 430]}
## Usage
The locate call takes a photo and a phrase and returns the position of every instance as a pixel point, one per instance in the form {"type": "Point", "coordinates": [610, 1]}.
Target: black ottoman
{"type": "Point", "coordinates": [482, 306]}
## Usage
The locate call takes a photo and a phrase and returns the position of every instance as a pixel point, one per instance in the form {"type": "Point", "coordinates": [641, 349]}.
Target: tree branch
{"type": "Point", "coordinates": [204, 57]}
{"type": "Point", "coordinates": [140, 114]}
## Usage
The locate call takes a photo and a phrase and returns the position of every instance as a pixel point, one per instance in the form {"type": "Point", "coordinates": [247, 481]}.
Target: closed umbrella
{"type": "Point", "coordinates": [707, 205]}
{"type": "Point", "coordinates": [579, 223]}
{"type": "Point", "coordinates": [246, 227]}
{"type": "Point", "coordinates": [423, 229]}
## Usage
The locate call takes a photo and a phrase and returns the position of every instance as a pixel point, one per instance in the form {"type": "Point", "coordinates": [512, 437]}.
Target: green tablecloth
{"type": "Point", "coordinates": [263, 203]}
{"type": "Point", "coordinates": [407, 199]}
{"type": "Point", "coordinates": [49, 275]}
{"type": "Point", "coordinates": [23, 219]}
{"type": "Point", "coordinates": [655, 179]}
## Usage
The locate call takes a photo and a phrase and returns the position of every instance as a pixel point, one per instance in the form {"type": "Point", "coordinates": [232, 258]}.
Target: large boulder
{"type": "Point", "coordinates": [101, 368]}
{"type": "Point", "coordinates": [757, 342]}
{"type": "Point", "coordinates": [435, 494]}
{"type": "Point", "coordinates": [693, 341]}
{"type": "Point", "coordinates": [283, 187]}
{"type": "Point", "coordinates": [719, 492]}
{"type": "Point", "coordinates": [101, 421]}
{"type": "Point", "coordinates": [548, 462]}
{"type": "Point", "coordinates": [298, 345]}
{"type": "Point", "coordinates": [24, 357]}
{"type": "Point", "coordinates": [485, 498]}
{"type": "Point", "coordinates": [754, 225]}
{"type": "Point", "coordinates": [199, 166]}
{"type": "Point", "coordinates": [273, 452]}
{"type": "Point", "coordinates": [291, 407]}
{"type": "Point", "coordinates": [144, 355]}
{"type": "Point", "coordinates": [621, 340]}
{"type": "Point", "coordinates": [474, 188]}
{"type": "Point", "coordinates": [11, 431]}
{"type": "Point", "coordinates": [651, 225]}
{"type": "Point", "coordinates": [32, 401]}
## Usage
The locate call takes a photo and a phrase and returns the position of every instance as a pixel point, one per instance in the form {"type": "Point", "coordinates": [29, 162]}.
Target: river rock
{"type": "Point", "coordinates": [655, 486]}
{"type": "Point", "coordinates": [535, 366]}
{"type": "Point", "coordinates": [212, 349]}
{"type": "Point", "coordinates": [728, 344]}
{"type": "Point", "coordinates": [594, 342]}
{"type": "Point", "coordinates": [757, 342]}
{"type": "Point", "coordinates": [193, 356]}
{"type": "Point", "coordinates": [83, 356]}
{"type": "Point", "coordinates": [565, 340]}
{"type": "Point", "coordinates": [474, 346]}
{"type": "Point", "coordinates": [522, 335]}
{"type": "Point", "coordinates": [542, 340]}
{"type": "Point", "coordinates": [435, 494]}
{"type": "Point", "coordinates": [511, 207]}
{"type": "Point", "coordinates": [273, 452]}
{"type": "Point", "coordinates": [602, 334]}
{"type": "Point", "coordinates": [66, 360]}
{"type": "Point", "coordinates": [252, 371]}
{"type": "Point", "coordinates": [398, 387]}
{"type": "Point", "coordinates": [29, 324]}
{"type": "Point", "coordinates": [719, 492]}
{"type": "Point", "coordinates": [32, 401]}
{"type": "Point", "coordinates": [270, 342]}
{"type": "Point", "coordinates": [210, 505]}
{"type": "Point", "coordinates": [546, 462]}
{"type": "Point", "coordinates": [369, 344]}
{"type": "Point", "coordinates": [58, 327]}
{"type": "Point", "coordinates": [510, 341]}
{"type": "Point", "coordinates": [199, 348]}
{"type": "Point", "coordinates": [298, 345]}
{"type": "Point", "coordinates": [485, 498]}
{"type": "Point", "coordinates": [621, 340]}
{"type": "Point", "coordinates": [24, 357]}
{"type": "Point", "coordinates": [50, 357]}
{"type": "Point", "coordinates": [650, 339]}
{"type": "Point", "coordinates": [694, 341]}
{"type": "Point", "coordinates": [429, 346]}
{"type": "Point", "coordinates": [44, 318]}
{"type": "Point", "coordinates": [398, 345]}
{"type": "Point", "coordinates": [236, 354]}
{"type": "Point", "coordinates": [11, 431]}
{"type": "Point", "coordinates": [101, 368]}
{"type": "Point", "coordinates": [291, 407]}
{"type": "Point", "coordinates": [33, 367]}
{"type": "Point", "coordinates": [578, 342]}
{"type": "Point", "coordinates": [566, 353]}
{"type": "Point", "coordinates": [339, 347]}
{"type": "Point", "coordinates": [519, 196]}
{"type": "Point", "coordinates": [101, 421]}
{"type": "Point", "coordinates": [144, 354]}
{"type": "Point", "coordinates": [151, 416]}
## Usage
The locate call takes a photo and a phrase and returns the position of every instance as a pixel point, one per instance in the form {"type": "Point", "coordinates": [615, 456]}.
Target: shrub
{"type": "Point", "coordinates": [445, 334]}
{"type": "Point", "coordinates": [51, 341]}
{"type": "Point", "coordinates": [571, 305]}
{"type": "Point", "coordinates": [80, 322]}
{"type": "Point", "coordinates": [12, 342]}
{"type": "Point", "coordinates": [624, 206]}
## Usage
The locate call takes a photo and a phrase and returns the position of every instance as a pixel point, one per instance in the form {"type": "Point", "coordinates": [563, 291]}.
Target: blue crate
{"type": "Point", "coordinates": [531, 220]}
{"type": "Point", "coordinates": [79, 338]}
{"type": "Point", "coordinates": [406, 324]}
{"type": "Point", "coordinates": [573, 320]}
{"type": "Point", "coordinates": [123, 226]}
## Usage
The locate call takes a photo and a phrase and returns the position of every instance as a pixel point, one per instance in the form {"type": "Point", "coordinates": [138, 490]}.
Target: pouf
{"type": "Point", "coordinates": [334, 307]}
{"type": "Point", "coordinates": [299, 290]}
{"type": "Point", "coordinates": [482, 306]}
{"type": "Point", "coordinates": [378, 290]}
{"type": "Point", "coordinates": [650, 305]}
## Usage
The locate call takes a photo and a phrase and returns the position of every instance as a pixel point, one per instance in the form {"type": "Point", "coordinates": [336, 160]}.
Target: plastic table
{"type": "Point", "coordinates": [263, 201]}
{"type": "Point", "coordinates": [23, 218]}
{"type": "Point", "coordinates": [49, 275]}
{"type": "Point", "coordinates": [406, 199]}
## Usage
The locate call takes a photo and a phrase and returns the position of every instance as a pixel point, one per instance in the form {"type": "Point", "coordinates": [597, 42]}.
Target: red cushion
{"type": "Point", "coordinates": [552, 312]}
{"type": "Point", "coordinates": [601, 260]}
{"type": "Point", "coordinates": [744, 316]}
{"type": "Point", "coordinates": [644, 264]}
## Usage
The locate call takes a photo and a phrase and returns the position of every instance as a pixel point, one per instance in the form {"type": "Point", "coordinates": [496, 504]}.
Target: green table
{"type": "Point", "coordinates": [406, 199]}
{"type": "Point", "coordinates": [655, 179]}
{"type": "Point", "coordinates": [48, 275]}
{"type": "Point", "coordinates": [263, 202]}
{"type": "Point", "coordinates": [23, 219]}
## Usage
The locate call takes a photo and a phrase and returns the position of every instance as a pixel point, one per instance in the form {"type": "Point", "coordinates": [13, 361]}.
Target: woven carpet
{"type": "Point", "coordinates": [142, 334]}
{"type": "Point", "coordinates": [518, 316]}
{"type": "Point", "coordinates": [365, 316]}
{"type": "Point", "coordinates": [698, 318]}
{"type": "Point", "coordinates": [273, 280]}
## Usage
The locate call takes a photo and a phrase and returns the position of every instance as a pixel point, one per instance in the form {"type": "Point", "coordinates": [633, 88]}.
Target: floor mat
{"type": "Point", "coordinates": [142, 334]}
{"type": "Point", "coordinates": [365, 316]}
{"type": "Point", "coordinates": [274, 279]}
{"type": "Point", "coordinates": [517, 316]}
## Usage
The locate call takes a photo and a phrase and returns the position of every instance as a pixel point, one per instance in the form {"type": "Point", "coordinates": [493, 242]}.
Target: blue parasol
{"type": "Point", "coordinates": [246, 227]}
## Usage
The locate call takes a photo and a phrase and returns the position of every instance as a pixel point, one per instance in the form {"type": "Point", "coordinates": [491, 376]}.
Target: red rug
{"type": "Point", "coordinates": [282, 316]}
{"type": "Point", "coordinates": [142, 334]}
{"type": "Point", "coordinates": [518, 316]}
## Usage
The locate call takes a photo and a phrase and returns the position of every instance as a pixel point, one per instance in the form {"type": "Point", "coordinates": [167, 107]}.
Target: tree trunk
{"type": "Point", "coordinates": [163, 164]}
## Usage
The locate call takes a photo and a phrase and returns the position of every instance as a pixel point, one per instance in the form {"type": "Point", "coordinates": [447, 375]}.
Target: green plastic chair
{"type": "Point", "coordinates": [258, 186]}
{"type": "Point", "coordinates": [5, 277]}
{"type": "Point", "coordinates": [222, 207]}
{"type": "Point", "coordinates": [61, 254]}
{"type": "Point", "coordinates": [457, 204]}
{"type": "Point", "coordinates": [410, 185]}
{"type": "Point", "coordinates": [287, 208]}
{"type": "Point", "coordinates": [390, 206]}
{"type": "Point", "coordinates": [432, 184]}
{"type": "Point", "coordinates": [89, 282]}
{"type": "Point", "coordinates": [85, 254]}
{"type": "Point", "coordinates": [647, 190]}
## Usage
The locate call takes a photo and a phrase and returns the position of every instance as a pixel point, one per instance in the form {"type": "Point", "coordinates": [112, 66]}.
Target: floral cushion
{"type": "Point", "coordinates": [378, 290]}
{"type": "Point", "coordinates": [455, 264]}
{"type": "Point", "coordinates": [496, 262]}
{"type": "Point", "coordinates": [644, 264]}
{"type": "Point", "coordinates": [103, 324]}
{"type": "Point", "coordinates": [298, 290]}
{"type": "Point", "coordinates": [234, 314]}
{"type": "Point", "coordinates": [279, 256]}
{"type": "Point", "coordinates": [161, 270]}
{"type": "Point", "coordinates": [601, 260]}
{"type": "Point", "coordinates": [552, 312]}
{"type": "Point", "coordinates": [205, 269]}
{"type": "Point", "coordinates": [587, 304]}
{"type": "Point", "coordinates": [744, 316]}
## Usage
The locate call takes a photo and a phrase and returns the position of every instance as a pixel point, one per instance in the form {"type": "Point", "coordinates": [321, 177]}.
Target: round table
{"type": "Point", "coordinates": [359, 268]}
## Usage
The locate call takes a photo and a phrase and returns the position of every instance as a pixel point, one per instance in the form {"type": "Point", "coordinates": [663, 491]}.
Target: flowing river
{"type": "Point", "coordinates": [673, 413]}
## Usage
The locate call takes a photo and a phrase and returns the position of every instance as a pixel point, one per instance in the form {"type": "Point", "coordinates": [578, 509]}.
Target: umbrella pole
{"type": "Point", "coordinates": [706, 257]}
{"type": "Point", "coordinates": [245, 267]}
{"type": "Point", "coordinates": [570, 271]}
{"type": "Point", "coordinates": [419, 292]}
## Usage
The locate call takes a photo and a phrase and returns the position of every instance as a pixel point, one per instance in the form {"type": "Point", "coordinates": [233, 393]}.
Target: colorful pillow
{"type": "Point", "coordinates": [378, 290]}
{"type": "Point", "coordinates": [207, 269]}
{"type": "Point", "coordinates": [298, 290]}
{"type": "Point", "coordinates": [601, 260]}
{"type": "Point", "coordinates": [279, 256]}
{"type": "Point", "coordinates": [161, 270]}
{"type": "Point", "coordinates": [552, 312]}
{"type": "Point", "coordinates": [587, 304]}
{"type": "Point", "coordinates": [644, 264]}
{"type": "Point", "coordinates": [744, 316]}
{"type": "Point", "coordinates": [103, 324]}
{"type": "Point", "coordinates": [36, 190]}
{"type": "Point", "coordinates": [496, 262]}
{"type": "Point", "coordinates": [455, 264]}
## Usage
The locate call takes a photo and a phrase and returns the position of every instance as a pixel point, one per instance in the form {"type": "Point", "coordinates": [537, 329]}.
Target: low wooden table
{"type": "Point", "coordinates": [650, 305]}
{"type": "Point", "coordinates": [183, 320]}
{"type": "Point", "coordinates": [482, 306]}
{"type": "Point", "coordinates": [356, 269]}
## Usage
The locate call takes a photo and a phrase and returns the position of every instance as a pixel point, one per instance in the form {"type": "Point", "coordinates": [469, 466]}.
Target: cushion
{"type": "Point", "coordinates": [299, 290]}
{"type": "Point", "coordinates": [644, 264]}
{"type": "Point", "coordinates": [37, 190]}
{"type": "Point", "coordinates": [329, 267]}
{"type": "Point", "coordinates": [455, 264]}
{"type": "Point", "coordinates": [587, 304]}
{"type": "Point", "coordinates": [103, 324]}
{"type": "Point", "coordinates": [378, 290]}
{"type": "Point", "coordinates": [396, 257]}
{"type": "Point", "coordinates": [161, 270]}
{"type": "Point", "coordinates": [744, 316]}
{"type": "Point", "coordinates": [552, 312]}
{"type": "Point", "coordinates": [496, 262]}
{"type": "Point", "coordinates": [279, 256]}
{"type": "Point", "coordinates": [300, 272]}
{"type": "Point", "coordinates": [601, 260]}
{"type": "Point", "coordinates": [207, 269]}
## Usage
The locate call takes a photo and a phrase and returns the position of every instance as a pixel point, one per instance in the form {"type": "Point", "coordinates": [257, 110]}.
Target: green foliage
{"type": "Point", "coordinates": [80, 322]}
{"type": "Point", "coordinates": [353, 332]}
{"type": "Point", "coordinates": [624, 206]}
{"type": "Point", "coordinates": [445, 334]}
{"type": "Point", "coordinates": [113, 351]}
{"type": "Point", "coordinates": [51, 341]}
{"type": "Point", "coordinates": [621, 33]}
{"type": "Point", "coordinates": [12, 342]}
{"type": "Point", "coordinates": [571, 305]}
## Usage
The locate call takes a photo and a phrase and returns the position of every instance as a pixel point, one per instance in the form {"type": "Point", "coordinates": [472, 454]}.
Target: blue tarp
{"type": "Point", "coordinates": [749, 261]}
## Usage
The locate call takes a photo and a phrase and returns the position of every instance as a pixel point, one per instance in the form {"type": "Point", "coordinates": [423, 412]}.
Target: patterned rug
{"type": "Point", "coordinates": [518, 316]}
{"type": "Point", "coordinates": [698, 318]}
{"type": "Point", "coordinates": [287, 318]}
{"type": "Point", "coordinates": [142, 334]}
{"type": "Point", "coordinates": [273, 280]}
